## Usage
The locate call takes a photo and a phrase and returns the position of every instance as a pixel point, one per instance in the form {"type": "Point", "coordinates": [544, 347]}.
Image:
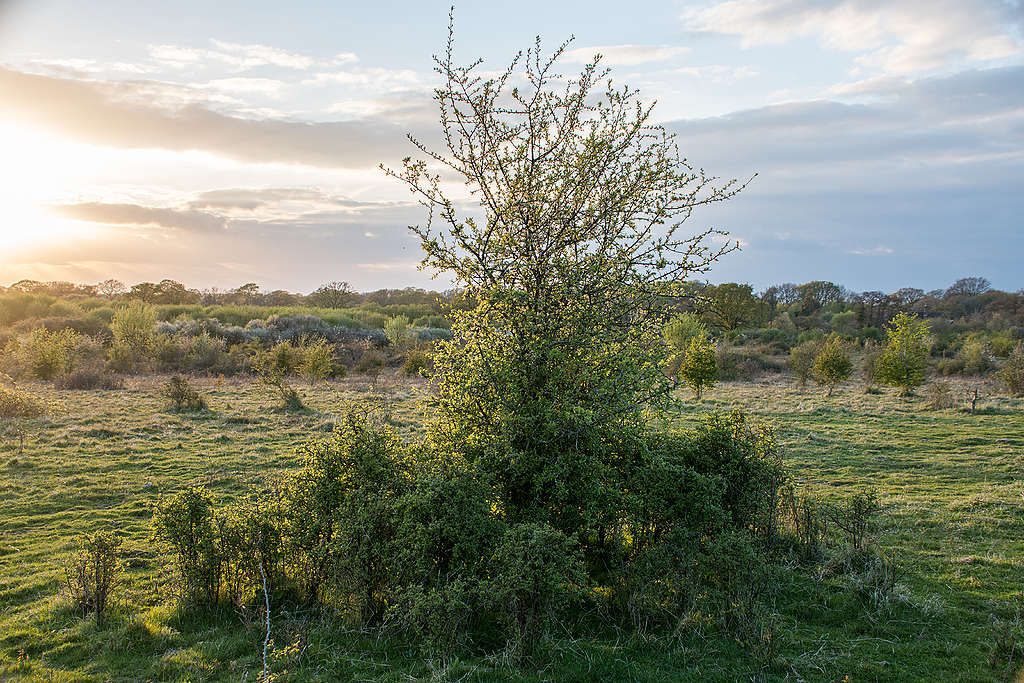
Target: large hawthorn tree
{"type": "Point", "coordinates": [570, 236]}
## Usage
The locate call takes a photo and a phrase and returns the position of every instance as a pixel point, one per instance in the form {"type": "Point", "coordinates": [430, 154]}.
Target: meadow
{"type": "Point", "coordinates": [949, 483]}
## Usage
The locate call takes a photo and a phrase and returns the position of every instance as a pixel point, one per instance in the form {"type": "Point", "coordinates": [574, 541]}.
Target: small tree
{"type": "Point", "coordinates": [111, 289]}
{"type": "Point", "coordinates": [801, 361]}
{"type": "Point", "coordinates": [832, 364]}
{"type": "Point", "coordinates": [699, 369]}
{"type": "Point", "coordinates": [577, 238]}
{"type": "Point", "coordinates": [133, 327]}
{"type": "Point", "coordinates": [904, 361]}
{"type": "Point", "coordinates": [398, 332]}
{"type": "Point", "coordinates": [1012, 372]}
{"type": "Point", "coordinates": [317, 360]}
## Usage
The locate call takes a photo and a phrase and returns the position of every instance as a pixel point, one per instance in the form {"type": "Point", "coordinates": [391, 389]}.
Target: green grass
{"type": "Point", "coordinates": [950, 484]}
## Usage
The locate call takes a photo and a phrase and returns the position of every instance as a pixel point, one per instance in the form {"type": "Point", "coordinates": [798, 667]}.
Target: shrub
{"type": "Point", "coordinates": [205, 353]}
{"type": "Point", "coordinates": [832, 364]}
{"type": "Point", "coordinates": [939, 395]}
{"type": "Point", "coordinates": [17, 404]}
{"type": "Point", "coordinates": [537, 572]}
{"type": "Point", "coordinates": [273, 368]}
{"type": "Point", "coordinates": [92, 572]}
{"type": "Point", "coordinates": [181, 396]}
{"type": "Point", "coordinates": [86, 380]}
{"type": "Point", "coordinates": [46, 354]}
{"type": "Point", "coordinates": [317, 361]}
{"type": "Point", "coordinates": [699, 368]}
{"type": "Point", "coordinates": [801, 360]}
{"type": "Point", "coordinates": [250, 539]}
{"type": "Point", "coordinates": [417, 363]}
{"type": "Point", "coordinates": [398, 331]}
{"type": "Point", "coordinates": [340, 517]}
{"type": "Point", "coordinates": [868, 365]}
{"type": "Point", "coordinates": [974, 357]}
{"type": "Point", "coordinates": [371, 363]}
{"type": "Point", "coordinates": [187, 525]}
{"type": "Point", "coordinates": [133, 328]}
{"type": "Point", "coordinates": [1012, 373]}
{"type": "Point", "coordinates": [856, 517]}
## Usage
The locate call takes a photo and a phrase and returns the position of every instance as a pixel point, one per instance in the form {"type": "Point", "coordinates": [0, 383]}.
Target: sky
{"type": "Point", "coordinates": [220, 143]}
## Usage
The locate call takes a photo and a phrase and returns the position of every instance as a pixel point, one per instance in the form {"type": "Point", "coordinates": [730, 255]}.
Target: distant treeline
{"type": "Point", "coordinates": [330, 295]}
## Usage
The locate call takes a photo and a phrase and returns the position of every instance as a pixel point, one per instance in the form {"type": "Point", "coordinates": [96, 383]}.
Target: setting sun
{"type": "Point", "coordinates": [34, 170]}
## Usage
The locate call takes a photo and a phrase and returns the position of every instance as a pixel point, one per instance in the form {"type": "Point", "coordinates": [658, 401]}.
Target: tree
{"type": "Point", "coordinates": [699, 369]}
{"type": "Point", "coordinates": [111, 288]}
{"type": "Point", "coordinates": [732, 305]}
{"type": "Point", "coordinates": [246, 294]}
{"type": "Point", "coordinates": [801, 360]}
{"type": "Point", "coordinates": [681, 330]}
{"type": "Point", "coordinates": [578, 234]}
{"type": "Point", "coordinates": [1012, 372]}
{"type": "Point", "coordinates": [832, 365]}
{"type": "Point", "coordinates": [968, 286]}
{"type": "Point", "coordinates": [904, 361]}
{"type": "Point", "coordinates": [332, 295]}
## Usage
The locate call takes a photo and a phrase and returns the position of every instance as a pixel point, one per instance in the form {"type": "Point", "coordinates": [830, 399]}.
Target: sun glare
{"type": "Point", "coordinates": [33, 168]}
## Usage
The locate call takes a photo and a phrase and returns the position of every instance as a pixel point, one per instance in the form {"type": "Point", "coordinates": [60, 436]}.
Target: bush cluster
{"type": "Point", "coordinates": [414, 537]}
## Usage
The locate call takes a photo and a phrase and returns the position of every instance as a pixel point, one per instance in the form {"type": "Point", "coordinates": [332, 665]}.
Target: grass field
{"type": "Point", "coordinates": [951, 485]}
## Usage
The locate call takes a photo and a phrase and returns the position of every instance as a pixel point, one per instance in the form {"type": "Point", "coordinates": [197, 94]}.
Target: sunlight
{"type": "Point", "coordinates": [32, 169]}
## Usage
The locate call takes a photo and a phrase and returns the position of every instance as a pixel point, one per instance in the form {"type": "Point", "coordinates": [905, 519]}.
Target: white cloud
{"type": "Point", "coordinates": [247, 86]}
{"type": "Point", "coordinates": [374, 77]}
{"type": "Point", "coordinates": [236, 56]}
{"type": "Point", "coordinates": [248, 56]}
{"type": "Point", "coordinates": [874, 251]}
{"type": "Point", "coordinates": [625, 55]}
{"type": "Point", "coordinates": [898, 36]}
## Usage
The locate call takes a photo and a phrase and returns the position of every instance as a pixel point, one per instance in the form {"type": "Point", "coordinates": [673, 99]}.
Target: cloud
{"type": "Point", "coordinates": [148, 115]}
{"type": "Point", "coordinates": [268, 87]}
{"type": "Point", "coordinates": [874, 251]}
{"type": "Point", "coordinates": [374, 78]}
{"type": "Point", "coordinates": [625, 55]}
{"type": "Point", "coordinates": [897, 36]}
{"type": "Point", "coordinates": [133, 214]}
{"type": "Point", "coordinates": [236, 56]}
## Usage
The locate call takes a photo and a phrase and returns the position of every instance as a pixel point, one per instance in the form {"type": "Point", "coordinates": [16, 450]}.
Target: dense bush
{"type": "Point", "coordinates": [1012, 373]}
{"type": "Point", "coordinates": [939, 395]}
{"type": "Point", "coordinates": [186, 523]}
{"type": "Point", "coordinates": [537, 573]}
{"type": "Point", "coordinates": [182, 396]}
{"type": "Point", "coordinates": [417, 362]}
{"type": "Point", "coordinates": [15, 403]}
{"type": "Point", "coordinates": [134, 337]}
{"type": "Point", "coordinates": [43, 354]}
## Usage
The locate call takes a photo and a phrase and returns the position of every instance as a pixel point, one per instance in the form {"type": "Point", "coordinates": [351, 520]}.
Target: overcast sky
{"type": "Point", "coordinates": [219, 143]}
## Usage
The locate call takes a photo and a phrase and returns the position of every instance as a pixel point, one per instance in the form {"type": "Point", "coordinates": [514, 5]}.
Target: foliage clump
{"type": "Point", "coordinates": [904, 360]}
{"type": "Point", "coordinates": [801, 361]}
{"type": "Point", "coordinates": [832, 365]}
{"type": "Point", "coordinates": [181, 396]}
{"type": "Point", "coordinates": [699, 366]}
{"type": "Point", "coordinates": [15, 403]}
{"type": "Point", "coordinates": [1012, 373]}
